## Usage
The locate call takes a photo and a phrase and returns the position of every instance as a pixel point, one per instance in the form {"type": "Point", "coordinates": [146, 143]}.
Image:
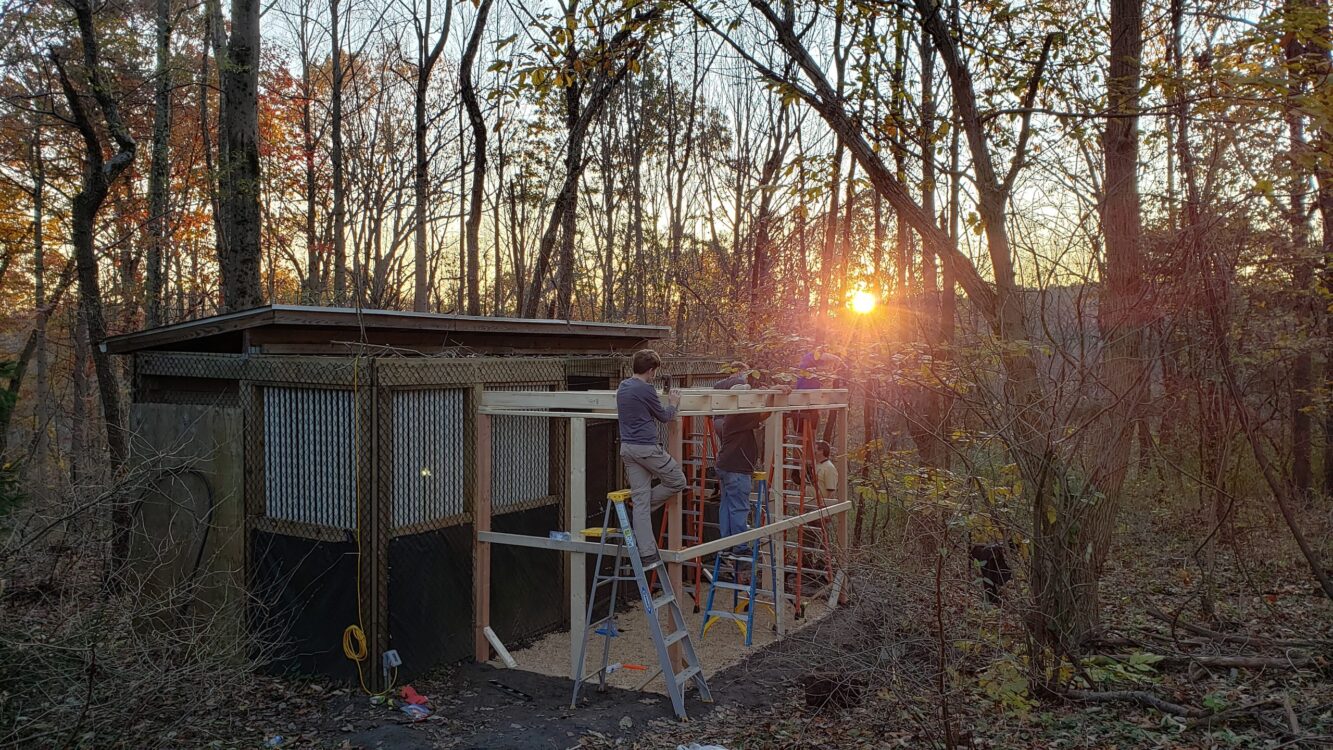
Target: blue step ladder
{"type": "Point", "coordinates": [745, 595]}
{"type": "Point", "coordinates": [605, 627]}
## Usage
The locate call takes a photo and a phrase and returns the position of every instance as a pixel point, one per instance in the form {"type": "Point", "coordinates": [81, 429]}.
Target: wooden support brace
{"type": "Point", "coordinates": [576, 519]}
{"type": "Point", "coordinates": [844, 550]}
{"type": "Point", "coordinates": [481, 549]}
{"type": "Point", "coordinates": [675, 446]}
{"type": "Point", "coordinates": [773, 439]}
{"type": "Point", "coordinates": [669, 555]}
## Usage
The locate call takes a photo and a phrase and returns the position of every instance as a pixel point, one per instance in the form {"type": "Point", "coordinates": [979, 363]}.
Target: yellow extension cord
{"type": "Point", "coordinates": [354, 636]}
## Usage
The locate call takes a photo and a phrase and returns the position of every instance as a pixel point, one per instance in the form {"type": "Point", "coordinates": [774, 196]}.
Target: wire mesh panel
{"type": "Point", "coordinates": [520, 457]}
{"type": "Point", "coordinates": [427, 453]}
{"type": "Point", "coordinates": [308, 474]}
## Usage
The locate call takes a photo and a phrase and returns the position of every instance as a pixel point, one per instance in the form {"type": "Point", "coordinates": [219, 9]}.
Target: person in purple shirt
{"type": "Point", "coordinates": [639, 410]}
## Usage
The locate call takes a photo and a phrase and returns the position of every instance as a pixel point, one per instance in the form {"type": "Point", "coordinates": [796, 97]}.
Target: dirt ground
{"type": "Point", "coordinates": [473, 708]}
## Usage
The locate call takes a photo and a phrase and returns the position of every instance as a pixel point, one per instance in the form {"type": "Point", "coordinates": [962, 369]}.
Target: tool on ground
{"type": "Point", "coordinates": [626, 550]}
{"type": "Point", "coordinates": [506, 689]}
{"type": "Point", "coordinates": [743, 607]}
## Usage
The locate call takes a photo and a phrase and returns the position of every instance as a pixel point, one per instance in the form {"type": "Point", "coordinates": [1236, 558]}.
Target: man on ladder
{"type": "Point", "coordinates": [736, 463]}
{"type": "Point", "coordinates": [640, 410]}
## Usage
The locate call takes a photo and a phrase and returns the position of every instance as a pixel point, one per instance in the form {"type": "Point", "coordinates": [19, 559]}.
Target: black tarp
{"type": "Point", "coordinates": [527, 585]}
{"type": "Point", "coordinates": [430, 598]}
{"type": "Point", "coordinates": [430, 590]}
{"type": "Point", "coordinates": [304, 596]}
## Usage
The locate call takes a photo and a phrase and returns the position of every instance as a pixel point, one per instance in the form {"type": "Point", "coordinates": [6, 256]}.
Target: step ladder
{"type": "Point", "coordinates": [762, 547]}
{"type": "Point", "coordinates": [627, 551]}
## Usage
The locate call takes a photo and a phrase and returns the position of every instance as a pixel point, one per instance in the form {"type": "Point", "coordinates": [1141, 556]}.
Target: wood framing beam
{"type": "Point", "coordinates": [773, 439]}
{"type": "Point", "coordinates": [675, 446]}
{"type": "Point", "coordinates": [562, 414]}
{"type": "Point", "coordinates": [575, 520]}
{"type": "Point", "coordinates": [669, 555]}
{"type": "Point", "coordinates": [539, 542]}
{"type": "Point", "coordinates": [717, 545]}
{"type": "Point", "coordinates": [481, 548]}
{"type": "Point", "coordinates": [693, 402]}
{"type": "Point", "coordinates": [844, 547]}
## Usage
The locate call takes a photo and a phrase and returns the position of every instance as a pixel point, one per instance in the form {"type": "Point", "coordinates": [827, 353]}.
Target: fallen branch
{"type": "Point", "coordinates": [1228, 713]}
{"type": "Point", "coordinates": [1141, 697]}
{"type": "Point", "coordinates": [1295, 661]}
{"type": "Point", "coordinates": [1176, 622]}
{"type": "Point", "coordinates": [1292, 723]}
{"type": "Point", "coordinates": [1292, 661]}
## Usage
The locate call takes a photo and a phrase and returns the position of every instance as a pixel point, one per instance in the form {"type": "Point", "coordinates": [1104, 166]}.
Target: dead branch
{"type": "Point", "coordinates": [1229, 713]}
{"type": "Point", "coordinates": [1291, 661]}
{"type": "Point", "coordinates": [1141, 697]}
{"type": "Point", "coordinates": [1255, 640]}
{"type": "Point", "coordinates": [1292, 723]}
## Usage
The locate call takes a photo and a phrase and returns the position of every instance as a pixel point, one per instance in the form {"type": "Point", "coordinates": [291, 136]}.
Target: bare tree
{"type": "Point", "coordinates": [610, 63]}
{"type": "Point", "coordinates": [99, 175]}
{"type": "Point", "coordinates": [469, 94]}
{"type": "Point", "coordinates": [428, 54]}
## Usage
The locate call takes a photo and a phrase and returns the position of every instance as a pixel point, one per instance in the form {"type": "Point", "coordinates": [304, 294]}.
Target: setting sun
{"type": "Point", "coordinates": [863, 301]}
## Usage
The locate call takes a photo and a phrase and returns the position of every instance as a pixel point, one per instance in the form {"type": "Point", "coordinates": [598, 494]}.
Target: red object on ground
{"type": "Point", "coordinates": [412, 696]}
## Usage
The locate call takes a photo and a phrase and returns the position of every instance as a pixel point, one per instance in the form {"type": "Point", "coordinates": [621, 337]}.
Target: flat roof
{"type": "Point", "coordinates": [306, 329]}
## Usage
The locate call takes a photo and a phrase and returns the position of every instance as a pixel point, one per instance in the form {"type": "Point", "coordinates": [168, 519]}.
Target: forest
{"type": "Point", "coordinates": [1074, 259]}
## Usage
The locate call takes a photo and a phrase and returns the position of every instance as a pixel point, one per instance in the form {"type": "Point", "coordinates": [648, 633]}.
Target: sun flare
{"type": "Point", "coordinates": [863, 302]}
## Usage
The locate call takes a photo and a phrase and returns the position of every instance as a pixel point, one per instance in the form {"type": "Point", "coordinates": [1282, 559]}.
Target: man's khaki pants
{"type": "Point", "coordinates": [643, 464]}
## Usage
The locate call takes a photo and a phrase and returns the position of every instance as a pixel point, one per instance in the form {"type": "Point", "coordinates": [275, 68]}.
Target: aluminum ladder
{"type": "Point", "coordinates": [762, 547]}
{"type": "Point", "coordinates": [625, 547]}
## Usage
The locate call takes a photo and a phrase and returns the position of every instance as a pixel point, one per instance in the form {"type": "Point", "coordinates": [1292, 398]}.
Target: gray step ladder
{"type": "Point", "coordinates": [625, 547]}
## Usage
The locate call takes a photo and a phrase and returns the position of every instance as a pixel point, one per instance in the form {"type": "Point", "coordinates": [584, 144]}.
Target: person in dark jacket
{"type": "Point", "coordinates": [736, 462]}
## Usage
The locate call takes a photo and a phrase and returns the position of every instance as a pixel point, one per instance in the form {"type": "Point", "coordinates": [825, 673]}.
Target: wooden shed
{"type": "Point", "coordinates": [312, 474]}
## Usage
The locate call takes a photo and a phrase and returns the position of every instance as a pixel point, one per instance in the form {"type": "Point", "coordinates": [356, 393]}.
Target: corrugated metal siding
{"type": "Point", "coordinates": [308, 461]}
{"type": "Point", "coordinates": [520, 456]}
{"type": "Point", "coordinates": [427, 455]}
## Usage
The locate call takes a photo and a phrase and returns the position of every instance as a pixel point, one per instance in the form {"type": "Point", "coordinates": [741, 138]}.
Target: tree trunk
{"type": "Point", "coordinates": [1295, 51]}
{"type": "Point", "coordinates": [99, 174]}
{"type": "Point", "coordinates": [569, 206]}
{"type": "Point", "coordinates": [426, 59]}
{"type": "Point", "coordinates": [478, 160]}
{"type": "Point", "coordinates": [159, 174]}
{"type": "Point", "coordinates": [45, 410]}
{"type": "Point", "coordinates": [314, 278]}
{"type": "Point", "coordinates": [336, 156]}
{"type": "Point", "coordinates": [761, 265]}
{"type": "Point", "coordinates": [239, 256]}
{"type": "Point", "coordinates": [214, 38]}
{"type": "Point", "coordinates": [566, 203]}
{"type": "Point", "coordinates": [1074, 532]}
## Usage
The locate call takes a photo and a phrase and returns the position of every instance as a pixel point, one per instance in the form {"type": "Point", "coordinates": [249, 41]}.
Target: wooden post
{"type": "Point", "coordinates": [675, 446]}
{"type": "Point", "coordinates": [481, 551]}
{"type": "Point", "coordinates": [373, 520]}
{"type": "Point", "coordinates": [777, 501]}
{"type": "Point", "coordinates": [844, 551]}
{"type": "Point", "coordinates": [575, 521]}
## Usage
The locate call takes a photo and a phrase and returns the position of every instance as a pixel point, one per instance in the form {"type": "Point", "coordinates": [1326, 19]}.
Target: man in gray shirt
{"type": "Point", "coordinates": [639, 410]}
